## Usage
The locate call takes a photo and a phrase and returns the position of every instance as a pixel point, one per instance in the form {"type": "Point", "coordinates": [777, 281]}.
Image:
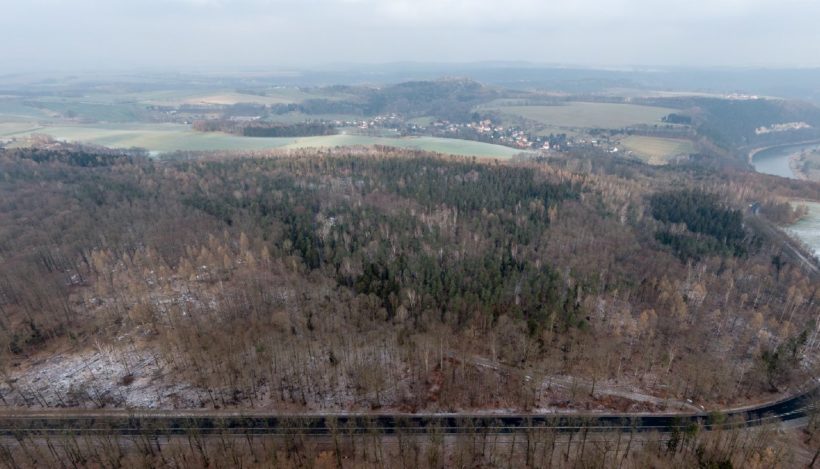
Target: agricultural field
{"type": "Point", "coordinates": [72, 109]}
{"type": "Point", "coordinates": [583, 115]}
{"type": "Point", "coordinates": [129, 106]}
{"type": "Point", "coordinates": [161, 138]}
{"type": "Point", "coordinates": [15, 109]}
{"type": "Point", "coordinates": [656, 151]}
{"type": "Point", "coordinates": [297, 117]}
{"type": "Point", "coordinates": [556, 130]}
{"type": "Point", "coordinates": [10, 129]}
{"type": "Point", "coordinates": [424, 121]}
{"type": "Point", "coordinates": [450, 146]}
{"type": "Point", "coordinates": [274, 96]}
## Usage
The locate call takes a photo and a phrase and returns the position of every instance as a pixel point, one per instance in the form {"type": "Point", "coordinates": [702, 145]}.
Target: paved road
{"type": "Point", "coordinates": [172, 423]}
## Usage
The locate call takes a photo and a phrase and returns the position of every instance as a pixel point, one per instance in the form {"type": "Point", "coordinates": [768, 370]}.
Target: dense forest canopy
{"type": "Point", "coordinates": [702, 214]}
{"type": "Point", "coordinates": [369, 278]}
{"type": "Point", "coordinates": [265, 129]}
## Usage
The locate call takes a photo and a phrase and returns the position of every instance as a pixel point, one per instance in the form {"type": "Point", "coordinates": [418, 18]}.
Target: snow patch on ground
{"type": "Point", "coordinates": [97, 377]}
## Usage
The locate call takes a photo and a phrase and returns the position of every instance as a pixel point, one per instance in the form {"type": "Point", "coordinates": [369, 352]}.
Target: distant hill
{"type": "Point", "coordinates": [741, 123]}
{"type": "Point", "coordinates": [451, 99]}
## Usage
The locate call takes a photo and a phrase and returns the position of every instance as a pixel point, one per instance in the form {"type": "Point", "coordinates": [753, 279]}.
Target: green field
{"type": "Point", "coordinates": [424, 121]}
{"type": "Point", "coordinates": [10, 129]}
{"type": "Point", "coordinates": [587, 115]}
{"type": "Point", "coordinates": [131, 107]}
{"type": "Point", "coordinates": [15, 109]}
{"type": "Point", "coordinates": [179, 97]}
{"type": "Point", "coordinates": [296, 117]}
{"type": "Point", "coordinates": [275, 96]}
{"type": "Point", "coordinates": [657, 151]}
{"type": "Point", "coordinates": [171, 137]}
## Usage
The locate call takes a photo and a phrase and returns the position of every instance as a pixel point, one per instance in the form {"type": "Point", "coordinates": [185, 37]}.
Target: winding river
{"type": "Point", "coordinates": [776, 161]}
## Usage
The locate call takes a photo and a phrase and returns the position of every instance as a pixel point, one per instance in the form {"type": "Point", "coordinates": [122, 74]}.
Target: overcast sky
{"type": "Point", "coordinates": [182, 34]}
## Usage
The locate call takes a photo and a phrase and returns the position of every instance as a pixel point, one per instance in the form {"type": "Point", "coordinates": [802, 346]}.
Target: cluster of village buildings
{"type": "Point", "coordinates": [484, 130]}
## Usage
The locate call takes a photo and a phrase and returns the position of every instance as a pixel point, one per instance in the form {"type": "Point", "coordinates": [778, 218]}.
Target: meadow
{"type": "Point", "coordinates": [161, 138]}
{"type": "Point", "coordinates": [657, 151]}
{"type": "Point", "coordinates": [16, 109]}
{"type": "Point", "coordinates": [587, 115]}
{"type": "Point", "coordinates": [228, 97]}
{"type": "Point", "coordinates": [132, 106]}
{"type": "Point", "coordinates": [12, 128]}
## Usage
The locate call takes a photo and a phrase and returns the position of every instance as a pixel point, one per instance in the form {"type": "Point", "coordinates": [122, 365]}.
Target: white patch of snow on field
{"type": "Point", "coordinates": [95, 378]}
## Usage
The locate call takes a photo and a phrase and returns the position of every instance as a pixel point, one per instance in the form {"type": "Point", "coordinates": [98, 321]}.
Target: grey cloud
{"type": "Point", "coordinates": [181, 33]}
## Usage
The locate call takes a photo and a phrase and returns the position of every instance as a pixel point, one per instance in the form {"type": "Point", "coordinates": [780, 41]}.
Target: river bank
{"type": "Point", "coordinates": [784, 161]}
{"type": "Point", "coordinates": [807, 229]}
{"type": "Point", "coordinates": [781, 160]}
{"type": "Point", "coordinates": [806, 164]}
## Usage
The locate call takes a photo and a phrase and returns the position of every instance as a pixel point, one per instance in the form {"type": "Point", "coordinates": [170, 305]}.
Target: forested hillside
{"type": "Point", "coordinates": [366, 279]}
{"type": "Point", "coordinates": [733, 123]}
{"type": "Point", "coordinates": [451, 99]}
{"type": "Point", "coordinates": [264, 129]}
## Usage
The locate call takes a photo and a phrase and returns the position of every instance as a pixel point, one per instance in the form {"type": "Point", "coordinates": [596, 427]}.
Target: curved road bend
{"type": "Point", "coordinates": [61, 422]}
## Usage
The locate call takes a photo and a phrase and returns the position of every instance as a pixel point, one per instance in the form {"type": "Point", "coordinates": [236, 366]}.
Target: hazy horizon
{"type": "Point", "coordinates": [289, 34]}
